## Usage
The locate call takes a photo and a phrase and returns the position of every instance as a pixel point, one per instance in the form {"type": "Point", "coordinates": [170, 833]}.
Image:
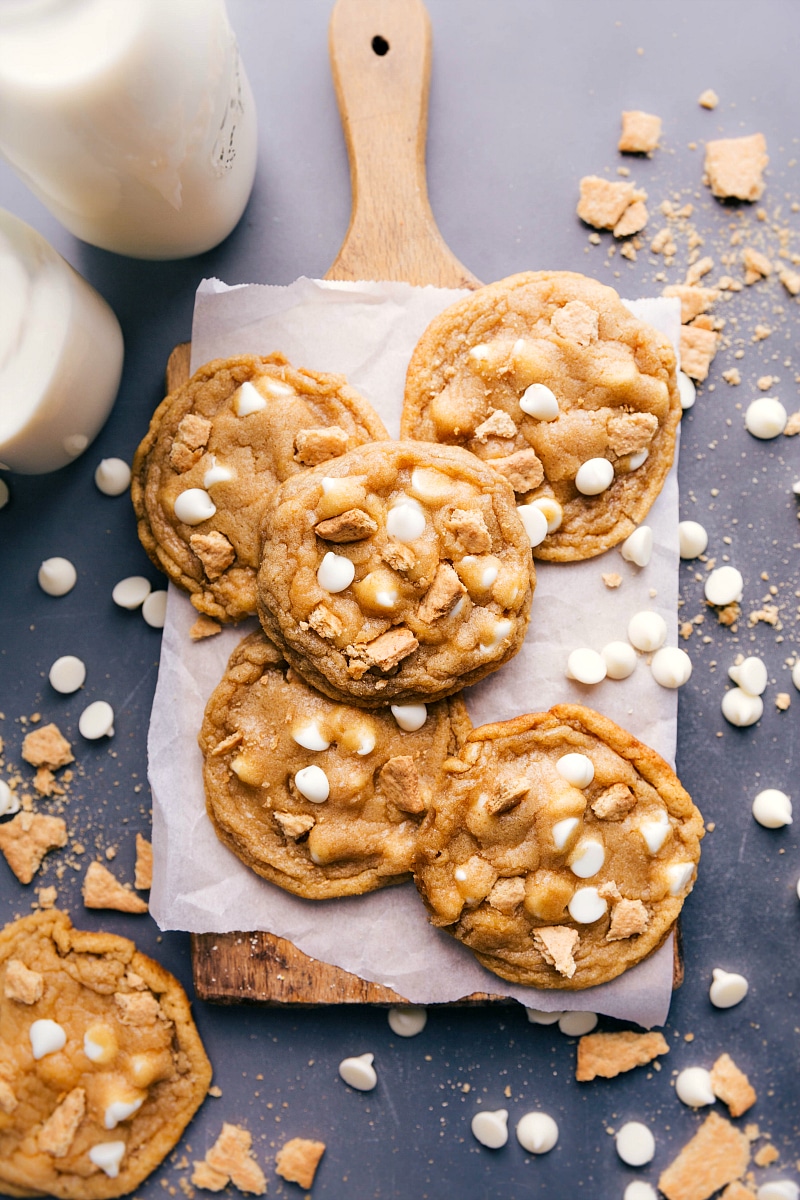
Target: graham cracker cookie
{"type": "Point", "coordinates": [101, 1066]}
{"type": "Point", "coordinates": [216, 448]}
{"type": "Point", "coordinates": [560, 850]}
{"type": "Point", "coordinates": [549, 377]}
{"type": "Point", "coordinates": [320, 798]}
{"type": "Point", "coordinates": [398, 572]}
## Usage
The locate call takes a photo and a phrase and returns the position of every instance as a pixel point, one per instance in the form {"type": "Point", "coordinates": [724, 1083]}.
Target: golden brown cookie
{"type": "Point", "coordinates": [561, 849]}
{"type": "Point", "coordinates": [101, 1066]}
{"type": "Point", "coordinates": [320, 798]}
{"type": "Point", "coordinates": [215, 449]}
{"type": "Point", "coordinates": [400, 572]}
{"type": "Point", "coordinates": [548, 376]}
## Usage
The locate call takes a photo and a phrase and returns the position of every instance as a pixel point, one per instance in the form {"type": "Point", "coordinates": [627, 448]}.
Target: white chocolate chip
{"type": "Point", "coordinates": [693, 1087]}
{"type": "Point", "coordinates": [491, 1128]}
{"type": "Point", "coordinates": [47, 1037]}
{"type": "Point", "coordinates": [637, 1189]}
{"type": "Point", "coordinates": [309, 737]}
{"type": "Point", "coordinates": [577, 769]}
{"type": "Point", "coordinates": [638, 548]}
{"type": "Point", "coordinates": [216, 473]}
{"type": "Point", "coordinates": [247, 400]}
{"type": "Point", "coordinates": [740, 708]}
{"type": "Point", "coordinates": [67, 674]}
{"type": "Point", "coordinates": [366, 742]}
{"type": "Point", "coordinates": [772, 809]}
{"type": "Point", "coordinates": [655, 832]}
{"type": "Point", "coordinates": [405, 522]}
{"type": "Point", "coordinates": [489, 576]}
{"type": "Point", "coordinates": [120, 1110]}
{"type": "Point", "coordinates": [460, 875]}
{"type": "Point", "coordinates": [359, 1072]}
{"type": "Point", "coordinates": [647, 631]}
{"type": "Point", "coordinates": [750, 675]}
{"type": "Point", "coordinates": [9, 801]}
{"type": "Point", "coordinates": [553, 512]}
{"type": "Point", "coordinates": [407, 1020]}
{"type": "Point", "coordinates": [431, 484]}
{"type": "Point", "coordinates": [410, 717]}
{"type": "Point", "coordinates": [108, 1156]}
{"type": "Point", "coordinates": [537, 1016]}
{"type": "Point", "coordinates": [577, 1023]}
{"type": "Point", "coordinates": [154, 609]}
{"type": "Point", "coordinates": [102, 1047]}
{"type": "Point", "coordinates": [479, 354]}
{"type": "Point", "coordinates": [671, 667]}
{"type": "Point", "coordinates": [679, 875]}
{"type": "Point", "coordinates": [778, 1189]}
{"type": "Point", "coordinates": [635, 1144]}
{"type": "Point", "coordinates": [275, 388]}
{"type": "Point", "coordinates": [594, 476]}
{"type": "Point", "coordinates": [765, 418]}
{"type": "Point", "coordinates": [96, 721]}
{"type": "Point", "coordinates": [639, 459]}
{"type": "Point", "coordinates": [587, 906]}
{"type": "Point", "coordinates": [724, 586]}
{"type": "Point", "coordinates": [312, 782]}
{"type": "Point", "coordinates": [194, 506]}
{"type": "Point", "coordinates": [57, 576]}
{"type": "Point", "coordinates": [563, 830]}
{"type": "Point", "coordinates": [620, 659]}
{"type": "Point", "coordinates": [727, 988]}
{"type": "Point", "coordinates": [537, 1132]}
{"type": "Point", "coordinates": [335, 572]}
{"type": "Point", "coordinates": [586, 666]}
{"type": "Point", "coordinates": [692, 539]}
{"type": "Point", "coordinates": [534, 522]}
{"type": "Point", "coordinates": [686, 390]}
{"type": "Point", "coordinates": [113, 476]}
{"type": "Point", "coordinates": [131, 592]}
{"type": "Point", "coordinates": [500, 631]}
{"type": "Point", "coordinates": [539, 402]}
{"type": "Point", "coordinates": [588, 858]}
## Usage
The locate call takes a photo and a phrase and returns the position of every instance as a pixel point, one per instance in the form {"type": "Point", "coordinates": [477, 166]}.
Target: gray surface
{"type": "Point", "coordinates": [525, 99]}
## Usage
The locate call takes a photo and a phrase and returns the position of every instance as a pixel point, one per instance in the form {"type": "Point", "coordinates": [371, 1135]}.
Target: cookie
{"type": "Point", "coordinates": [101, 1066]}
{"type": "Point", "coordinates": [215, 449]}
{"type": "Point", "coordinates": [398, 572]}
{"type": "Point", "coordinates": [320, 798]}
{"type": "Point", "coordinates": [548, 376]}
{"type": "Point", "coordinates": [561, 849]}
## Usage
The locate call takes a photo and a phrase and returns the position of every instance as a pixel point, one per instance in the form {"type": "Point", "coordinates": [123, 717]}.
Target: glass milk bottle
{"type": "Point", "coordinates": [132, 120]}
{"type": "Point", "coordinates": [60, 354]}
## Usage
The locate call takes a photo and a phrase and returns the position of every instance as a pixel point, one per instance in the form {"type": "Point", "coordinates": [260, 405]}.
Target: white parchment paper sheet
{"type": "Point", "coordinates": [367, 331]}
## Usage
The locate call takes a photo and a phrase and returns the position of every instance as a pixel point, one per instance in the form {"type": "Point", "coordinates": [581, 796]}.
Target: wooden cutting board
{"type": "Point", "coordinates": [380, 54]}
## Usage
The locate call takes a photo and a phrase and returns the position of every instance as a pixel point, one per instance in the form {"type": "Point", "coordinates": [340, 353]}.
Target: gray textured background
{"type": "Point", "coordinates": [525, 99]}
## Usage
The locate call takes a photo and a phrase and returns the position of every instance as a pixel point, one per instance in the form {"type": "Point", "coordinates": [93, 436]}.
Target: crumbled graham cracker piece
{"type": "Point", "coordinates": [497, 425]}
{"type": "Point", "coordinates": [783, 701]}
{"type": "Point", "coordinates": [694, 300]}
{"type": "Point", "coordinates": [350, 526]}
{"type": "Point", "coordinates": [576, 322]}
{"type": "Point", "coordinates": [58, 1132]}
{"type": "Point", "coordinates": [214, 551]}
{"type": "Point", "coordinates": [386, 651]}
{"type": "Point", "coordinates": [733, 376]}
{"type": "Point", "coordinates": [442, 595]}
{"type": "Point", "coordinates": [717, 1154]}
{"type": "Point", "coordinates": [137, 1008]}
{"type": "Point", "coordinates": [732, 1086]}
{"type": "Point", "coordinates": [603, 202]}
{"type": "Point", "coordinates": [640, 132]}
{"type": "Point", "coordinates": [507, 894]}
{"type": "Point", "coordinates": [143, 869]}
{"type": "Point", "coordinates": [102, 890]}
{"type": "Point", "coordinates": [766, 1156]}
{"type": "Point", "coordinates": [204, 627]}
{"type": "Point", "coordinates": [633, 220]}
{"type": "Point", "coordinates": [21, 984]}
{"type": "Point", "coordinates": [470, 531]}
{"type": "Point", "coordinates": [756, 265]}
{"type": "Point", "coordinates": [324, 622]}
{"type": "Point", "coordinates": [708, 99]}
{"type": "Point", "coordinates": [734, 167]}
{"type": "Point", "coordinates": [792, 425]}
{"type": "Point", "coordinates": [609, 1054]}
{"type": "Point", "coordinates": [737, 1191]}
{"type": "Point", "coordinates": [698, 347]}
{"type": "Point", "coordinates": [400, 783]}
{"type": "Point", "coordinates": [523, 469]}
{"type": "Point", "coordinates": [314, 446]}
{"type": "Point", "coordinates": [790, 280]}
{"type": "Point", "coordinates": [556, 943]}
{"type": "Point", "coordinates": [614, 802]}
{"type": "Point", "coordinates": [629, 918]}
{"type": "Point", "coordinates": [27, 838]}
{"type": "Point", "coordinates": [298, 1159]}
{"type": "Point", "coordinates": [509, 796]}
{"type": "Point", "coordinates": [293, 825]}
{"type": "Point", "coordinates": [230, 1159]}
{"type": "Point", "coordinates": [698, 269]}
{"type": "Point", "coordinates": [612, 579]}
{"type": "Point", "coordinates": [47, 897]}
{"type": "Point", "coordinates": [47, 747]}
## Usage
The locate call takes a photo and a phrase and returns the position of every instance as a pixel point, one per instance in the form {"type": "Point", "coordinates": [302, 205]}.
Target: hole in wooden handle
{"type": "Point", "coordinates": [380, 45]}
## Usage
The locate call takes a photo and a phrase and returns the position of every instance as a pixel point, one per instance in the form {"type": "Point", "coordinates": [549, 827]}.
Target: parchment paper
{"type": "Point", "coordinates": [367, 331]}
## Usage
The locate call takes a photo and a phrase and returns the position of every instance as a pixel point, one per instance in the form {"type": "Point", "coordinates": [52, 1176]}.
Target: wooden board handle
{"type": "Point", "coordinates": [381, 63]}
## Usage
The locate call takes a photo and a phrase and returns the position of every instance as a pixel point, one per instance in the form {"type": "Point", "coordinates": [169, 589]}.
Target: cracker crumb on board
{"type": "Point", "coordinates": [604, 203]}
{"type": "Point", "coordinates": [640, 132]}
{"type": "Point", "coordinates": [143, 870]}
{"type": "Point", "coordinates": [204, 627]}
{"type": "Point", "coordinates": [732, 1086]}
{"type": "Point", "coordinates": [717, 1154]}
{"type": "Point", "coordinates": [230, 1160]}
{"type": "Point", "coordinates": [609, 1054]}
{"type": "Point", "coordinates": [735, 167]}
{"type": "Point", "coordinates": [47, 747]}
{"type": "Point", "coordinates": [27, 838]}
{"type": "Point", "coordinates": [708, 99]}
{"type": "Point", "coordinates": [298, 1159]}
{"type": "Point", "coordinates": [101, 889]}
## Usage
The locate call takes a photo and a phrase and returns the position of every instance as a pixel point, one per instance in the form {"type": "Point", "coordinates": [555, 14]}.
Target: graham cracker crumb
{"type": "Point", "coordinates": [143, 870]}
{"type": "Point", "coordinates": [21, 984]}
{"type": "Point", "coordinates": [609, 1054]}
{"type": "Point", "coordinates": [717, 1154]}
{"type": "Point", "coordinates": [766, 1156]}
{"type": "Point", "coordinates": [555, 944]}
{"type": "Point", "coordinates": [733, 376]}
{"type": "Point", "coordinates": [737, 1191]}
{"type": "Point", "coordinates": [204, 627]}
{"type": "Point", "coordinates": [102, 890]}
{"type": "Point", "coordinates": [230, 1159]}
{"type": "Point", "coordinates": [45, 783]}
{"type": "Point", "coordinates": [298, 1159]}
{"type": "Point", "coordinates": [602, 202]}
{"type": "Point", "coordinates": [782, 701]}
{"type": "Point", "coordinates": [734, 167]}
{"type": "Point", "coordinates": [640, 132]}
{"type": "Point", "coordinates": [58, 1132]}
{"type": "Point", "coordinates": [792, 425]}
{"type": "Point", "coordinates": [47, 897]}
{"type": "Point", "coordinates": [47, 747]}
{"type": "Point", "coordinates": [27, 838]}
{"type": "Point", "coordinates": [611, 579]}
{"type": "Point", "coordinates": [694, 300]}
{"type": "Point", "coordinates": [698, 348]}
{"type": "Point", "coordinates": [708, 99]}
{"type": "Point", "coordinates": [732, 1086]}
